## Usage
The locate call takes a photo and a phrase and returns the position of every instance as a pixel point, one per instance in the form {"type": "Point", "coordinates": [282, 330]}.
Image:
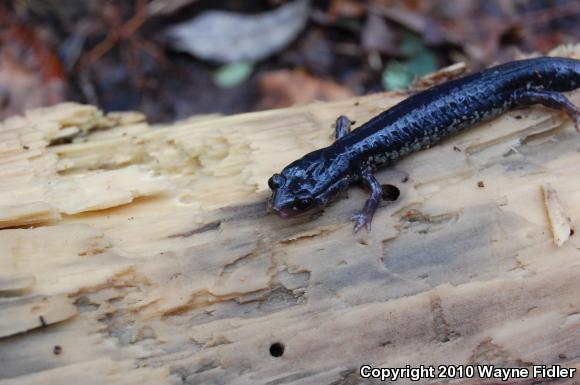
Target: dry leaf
{"type": "Point", "coordinates": [230, 37]}
{"type": "Point", "coordinates": [286, 88]}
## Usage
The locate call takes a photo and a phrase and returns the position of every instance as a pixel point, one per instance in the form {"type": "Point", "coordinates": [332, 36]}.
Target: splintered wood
{"type": "Point", "coordinates": [133, 254]}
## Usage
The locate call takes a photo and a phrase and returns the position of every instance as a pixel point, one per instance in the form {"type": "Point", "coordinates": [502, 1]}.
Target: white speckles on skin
{"type": "Point", "coordinates": [426, 120]}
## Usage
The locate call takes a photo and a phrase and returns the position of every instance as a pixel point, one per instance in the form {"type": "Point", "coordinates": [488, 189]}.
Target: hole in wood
{"type": "Point", "coordinates": [390, 193]}
{"type": "Point", "coordinates": [277, 349]}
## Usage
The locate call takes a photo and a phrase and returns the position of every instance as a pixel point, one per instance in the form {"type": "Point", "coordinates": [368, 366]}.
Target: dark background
{"type": "Point", "coordinates": [124, 55]}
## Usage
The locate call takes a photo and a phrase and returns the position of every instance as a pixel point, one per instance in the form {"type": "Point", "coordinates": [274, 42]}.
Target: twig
{"type": "Point", "coordinates": [126, 30]}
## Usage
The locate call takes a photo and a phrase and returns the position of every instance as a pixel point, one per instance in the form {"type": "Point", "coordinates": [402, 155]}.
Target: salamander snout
{"type": "Point", "coordinates": [284, 201]}
{"type": "Point", "coordinates": [287, 206]}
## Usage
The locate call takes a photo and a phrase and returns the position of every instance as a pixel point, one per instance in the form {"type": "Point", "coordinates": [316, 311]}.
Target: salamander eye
{"type": "Point", "coordinates": [276, 181]}
{"type": "Point", "coordinates": [304, 203]}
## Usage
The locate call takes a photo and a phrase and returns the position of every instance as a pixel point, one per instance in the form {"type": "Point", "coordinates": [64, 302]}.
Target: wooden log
{"type": "Point", "coordinates": [136, 254]}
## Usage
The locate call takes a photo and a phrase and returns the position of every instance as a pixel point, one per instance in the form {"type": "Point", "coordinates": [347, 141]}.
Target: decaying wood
{"type": "Point", "coordinates": [138, 254]}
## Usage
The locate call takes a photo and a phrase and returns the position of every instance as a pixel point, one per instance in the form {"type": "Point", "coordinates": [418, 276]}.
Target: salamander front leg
{"type": "Point", "coordinates": [550, 99]}
{"type": "Point", "coordinates": [365, 217]}
{"type": "Point", "coordinates": [342, 126]}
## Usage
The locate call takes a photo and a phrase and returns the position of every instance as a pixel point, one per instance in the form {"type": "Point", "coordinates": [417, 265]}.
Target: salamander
{"type": "Point", "coordinates": [416, 123]}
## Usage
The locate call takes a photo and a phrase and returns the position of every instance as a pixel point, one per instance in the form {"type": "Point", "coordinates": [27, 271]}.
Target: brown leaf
{"type": "Point", "coordinates": [349, 9]}
{"type": "Point", "coordinates": [285, 88]}
{"type": "Point", "coordinates": [31, 75]}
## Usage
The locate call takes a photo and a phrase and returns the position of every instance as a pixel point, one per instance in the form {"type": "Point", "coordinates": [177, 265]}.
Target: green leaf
{"type": "Point", "coordinates": [231, 75]}
{"type": "Point", "coordinates": [396, 76]}
{"type": "Point", "coordinates": [411, 44]}
{"type": "Point", "coordinates": [421, 61]}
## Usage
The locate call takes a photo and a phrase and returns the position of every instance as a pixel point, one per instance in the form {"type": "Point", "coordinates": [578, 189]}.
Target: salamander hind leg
{"type": "Point", "coordinates": [342, 126]}
{"type": "Point", "coordinates": [550, 99]}
{"type": "Point", "coordinates": [365, 216]}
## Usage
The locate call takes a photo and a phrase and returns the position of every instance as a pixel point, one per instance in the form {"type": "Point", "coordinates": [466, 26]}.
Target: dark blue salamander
{"type": "Point", "coordinates": [416, 123]}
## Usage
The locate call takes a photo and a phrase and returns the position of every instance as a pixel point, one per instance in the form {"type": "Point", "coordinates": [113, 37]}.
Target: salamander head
{"type": "Point", "coordinates": [307, 183]}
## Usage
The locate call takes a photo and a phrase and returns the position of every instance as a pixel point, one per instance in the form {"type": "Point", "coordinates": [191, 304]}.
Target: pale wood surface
{"type": "Point", "coordinates": [139, 254]}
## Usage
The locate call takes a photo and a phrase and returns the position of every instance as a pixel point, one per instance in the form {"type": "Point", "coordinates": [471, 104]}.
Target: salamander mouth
{"type": "Point", "coordinates": [288, 212]}
{"type": "Point", "coordinates": [283, 213]}
{"type": "Point", "coordinates": [318, 202]}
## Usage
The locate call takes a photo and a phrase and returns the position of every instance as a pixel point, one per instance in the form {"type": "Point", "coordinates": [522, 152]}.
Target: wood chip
{"type": "Point", "coordinates": [557, 216]}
